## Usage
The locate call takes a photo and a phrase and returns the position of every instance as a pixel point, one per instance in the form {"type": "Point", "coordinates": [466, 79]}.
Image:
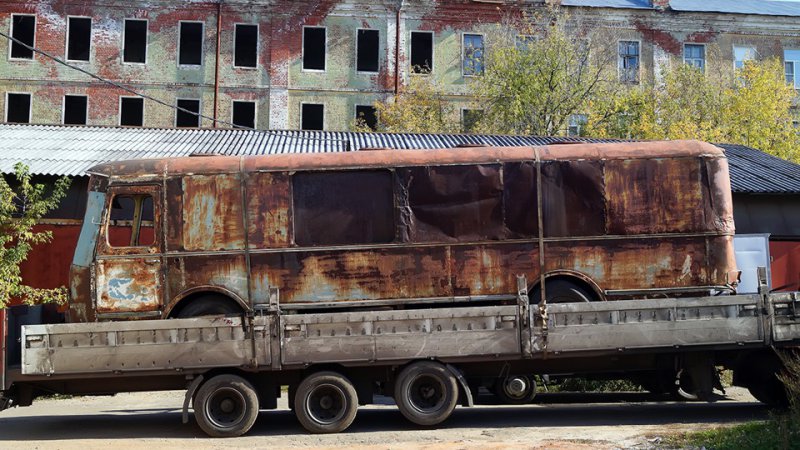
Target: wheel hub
{"type": "Point", "coordinates": [517, 386]}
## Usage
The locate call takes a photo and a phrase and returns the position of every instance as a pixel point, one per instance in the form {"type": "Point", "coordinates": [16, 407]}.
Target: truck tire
{"type": "Point", "coordinates": [208, 305]}
{"type": "Point", "coordinates": [426, 393]}
{"type": "Point", "coordinates": [563, 291]}
{"type": "Point", "coordinates": [226, 406]}
{"type": "Point", "coordinates": [515, 389]}
{"type": "Point", "coordinates": [325, 402]}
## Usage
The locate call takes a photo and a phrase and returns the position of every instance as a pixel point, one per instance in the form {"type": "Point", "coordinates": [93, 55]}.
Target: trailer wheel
{"type": "Point", "coordinates": [325, 402]}
{"type": "Point", "coordinates": [226, 406]}
{"type": "Point", "coordinates": [515, 389]}
{"type": "Point", "coordinates": [426, 393]}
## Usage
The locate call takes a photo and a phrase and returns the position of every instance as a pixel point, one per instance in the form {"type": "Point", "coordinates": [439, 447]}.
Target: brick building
{"type": "Point", "coordinates": [315, 64]}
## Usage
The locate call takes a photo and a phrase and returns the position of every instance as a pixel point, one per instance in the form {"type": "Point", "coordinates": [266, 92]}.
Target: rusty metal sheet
{"type": "Point", "coordinates": [489, 269]}
{"type": "Point", "coordinates": [212, 212]}
{"type": "Point", "coordinates": [573, 198]}
{"type": "Point", "coordinates": [221, 272]}
{"type": "Point", "coordinates": [81, 293]}
{"type": "Point", "coordinates": [519, 199]}
{"type": "Point", "coordinates": [269, 215]}
{"type": "Point", "coordinates": [128, 285]}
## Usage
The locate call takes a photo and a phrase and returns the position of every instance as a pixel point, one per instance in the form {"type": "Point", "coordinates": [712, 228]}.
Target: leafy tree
{"type": "Point", "coordinates": [21, 207]}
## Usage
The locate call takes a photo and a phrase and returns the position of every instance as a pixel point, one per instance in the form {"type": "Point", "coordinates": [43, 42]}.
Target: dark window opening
{"type": "Point", "coordinates": [520, 199]}
{"type": "Point", "coordinates": [340, 208]}
{"type": "Point", "coordinates": [314, 48]}
{"type": "Point", "coordinates": [367, 115]}
{"type": "Point", "coordinates": [190, 118]}
{"type": "Point", "coordinates": [131, 222]}
{"type": "Point", "coordinates": [190, 51]}
{"type": "Point", "coordinates": [79, 38]}
{"type": "Point", "coordinates": [573, 198]}
{"type": "Point", "coordinates": [244, 114]}
{"type": "Point", "coordinates": [135, 44]}
{"type": "Point", "coordinates": [18, 108]}
{"type": "Point", "coordinates": [23, 29]}
{"type": "Point", "coordinates": [312, 116]}
{"type": "Point", "coordinates": [75, 109]}
{"type": "Point", "coordinates": [131, 111]}
{"type": "Point", "coordinates": [470, 119]}
{"type": "Point", "coordinates": [245, 46]}
{"type": "Point", "coordinates": [367, 52]}
{"type": "Point", "coordinates": [421, 52]}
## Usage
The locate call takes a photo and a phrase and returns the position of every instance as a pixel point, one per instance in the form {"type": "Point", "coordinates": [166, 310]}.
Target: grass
{"type": "Point", "coordinates": [780, 432]}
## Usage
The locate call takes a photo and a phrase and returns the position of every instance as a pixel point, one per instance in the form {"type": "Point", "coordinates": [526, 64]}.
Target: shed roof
{"type": "Point", "coordinates": [755, 7]}
{"type": "Point", "coordinates": [71, 150]}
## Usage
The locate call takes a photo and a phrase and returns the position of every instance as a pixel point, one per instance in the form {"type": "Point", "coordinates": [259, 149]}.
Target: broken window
{"type": "Point", "coordinates": [367, 50]}
{"type": "Point", "coordinates": [75, 109]}
{"type": "Point", "coordinates": [367, 115]}
{"type": "Point", "coordinates": [131, 111]}
{"type": "Point", "coordinates": [312, 116]}
{"type": "Point", "coordinates": [245, 45]}
{"type": "Point", "coordinates": [629, 61]}
{"type": "Point", "coordinates": [470, 119]}
{"type": "Point", "coordinates": [18, 108]}
{"type": "Point", "coordinates": [340, 208]}
{"type": "Point", "coordinates": [244, 114]}
{"type": "Point", "coordinates": [134, 45]}
{"type": "Point", "coordinates": [188, 113]}
{"type": "Point", "coordinates": [131, 221]}
{"type": "Point", "coordinates": [573, 198]}
{"type": "Point", "coordinates": [190, 44]}
{"type": "Point", "coordinates": [23, 28]}
{"type": "Point", "coordinates": [421, 52]}
{"type": "Point", "coordinates": [695, 55]}
{"type": "Point", "coordinates": [79, 38]}
{"type": "Point", "coordinates": [472, 63]}
{"type": "Point", "coordinates": [314, 48]}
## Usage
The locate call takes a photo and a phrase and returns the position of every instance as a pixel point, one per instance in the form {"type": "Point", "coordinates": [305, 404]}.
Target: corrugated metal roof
{"type": "Point", "coordinates": [68, 150]}
{"type": "Point", "coordinates": [623, 4]}
{"type": "Point", "coordinates": [757, 7]}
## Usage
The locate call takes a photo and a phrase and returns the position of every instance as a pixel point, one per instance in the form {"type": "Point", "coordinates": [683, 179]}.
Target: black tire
{"type": "Point", "coordinates": [426, 393]}
{"type": "Point", "coordinates": [226, 406]}
{"type": "Point", "coordinates": [515, 389]}
{"type": "Point", "coordinates": [325, 402]}
{"type": "Point", "coordinates": [563, 291]}
{"type": "Point", "coordinates": [210, 305]}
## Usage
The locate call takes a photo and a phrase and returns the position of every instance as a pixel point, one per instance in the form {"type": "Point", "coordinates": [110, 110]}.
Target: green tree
{"type": "Point", "coordinates": [22, 204]}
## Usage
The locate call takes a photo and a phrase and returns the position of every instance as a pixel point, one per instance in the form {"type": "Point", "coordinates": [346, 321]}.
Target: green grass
{"type": "Point", "coordinates": [779, 433]}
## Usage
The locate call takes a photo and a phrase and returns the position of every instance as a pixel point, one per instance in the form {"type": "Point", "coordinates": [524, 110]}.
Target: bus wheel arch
{"type": "Point", "coordinates": [205, 300]}
{"type": "Point", "coordinates": [583, 287]}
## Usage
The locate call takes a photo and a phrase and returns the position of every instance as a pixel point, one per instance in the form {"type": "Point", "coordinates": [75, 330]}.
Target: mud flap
{"type": "Point", "coordinates": [189, 395]}
{"type": "Point", "coordinates": [466, 397]}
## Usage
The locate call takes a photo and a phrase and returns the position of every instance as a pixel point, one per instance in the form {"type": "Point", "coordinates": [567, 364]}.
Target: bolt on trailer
{"type": "Point", "coordinates": [416, 274]}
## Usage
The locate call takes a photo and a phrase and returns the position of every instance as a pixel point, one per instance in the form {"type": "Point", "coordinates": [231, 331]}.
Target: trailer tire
{"type": "Point", "coordinates": [426, 393]}
{"type": "Point", "coordinates": [515, 389]}
{"type": "Point", "coordinates": [325, 402]}
{"type": "Point", "coordinates": [226, 406]}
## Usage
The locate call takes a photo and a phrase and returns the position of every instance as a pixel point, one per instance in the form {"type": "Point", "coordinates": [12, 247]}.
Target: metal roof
{"type": "Point", "coordinates": [757, 7]}
{"type": "Point", "coordinates": [70, 150]}
{"type": "Point", "coordinates": [623, 4]}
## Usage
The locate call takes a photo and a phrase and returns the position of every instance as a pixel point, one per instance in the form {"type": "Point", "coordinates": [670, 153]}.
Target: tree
{"type": "Point", "coordinates": [21, 207]}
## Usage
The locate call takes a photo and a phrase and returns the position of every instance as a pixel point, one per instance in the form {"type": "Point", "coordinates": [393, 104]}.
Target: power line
{"type": "Point", "coordinates": [148, 97]}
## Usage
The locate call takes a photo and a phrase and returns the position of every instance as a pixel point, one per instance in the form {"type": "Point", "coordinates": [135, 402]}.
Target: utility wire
{"type": "Point", "coordinates": [153, 99]}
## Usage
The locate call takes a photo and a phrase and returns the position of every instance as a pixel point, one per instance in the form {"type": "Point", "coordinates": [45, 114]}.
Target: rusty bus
{"type": "Point", "coordinates": [191, 236]}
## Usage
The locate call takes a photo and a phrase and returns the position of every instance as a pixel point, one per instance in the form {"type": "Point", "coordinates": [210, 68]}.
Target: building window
{"type": "Point", "coordinates": [472, 57]}
{"type": "Point", "coordinates": [18, 108]}
{"type": "Point", "coordinates": [367, 50]}
{"type": "Point", "coordinates": [131, 221]}
{"type": "Point", "coordinates": [188, 113]}
{"type": "Point", "coordinates": [629, 61]}
{"type": "Point", "coordinates": [134, 43]}
{"type": "Point", "coordinates": [190, 44]}
{"type": "Point", "coordinates": [75, 108]}
{"type": "Point", "coordinates": [742, 54]}
{"type": "Point", "coordinates": [695, 55]}
{"type": "Point", "coordinates": [576, 124]}
{"type": "Point", "coordinates": [245, 46]}
{"type": "Point", "coordinates": [314, 43]}
{"type": "Point", "coordinates": [470, 119]}
{"type": "Point", "coordinates": [312, 116]}
{"type": "Point", "coordinates": [524, 42]}
{"type": "Point", "coordinates": [367, 115]}
{"type": "Point", "coordinates": [791, 63]}
{"type": "Point", "coordinates": [79, 38]}
{"type": "Point", "coordinates": [421, 52]}
{"type": "Point", "coordinates": [244, 114]}
{"type": "Point", "coordinates": [131, 111]}
{"type": "Point", "coordinates": [23, 28]}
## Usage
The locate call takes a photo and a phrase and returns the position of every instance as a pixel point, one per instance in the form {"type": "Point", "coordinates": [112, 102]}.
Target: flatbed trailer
{"type": "Point", "coordinates": [427, 358]}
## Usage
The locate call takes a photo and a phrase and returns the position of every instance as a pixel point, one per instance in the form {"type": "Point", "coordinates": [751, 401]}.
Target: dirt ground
{"type": "Point", "coordinates": [560, 421]}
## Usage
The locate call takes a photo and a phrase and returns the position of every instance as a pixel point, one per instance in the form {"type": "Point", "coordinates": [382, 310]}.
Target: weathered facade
{"type": "Point", "coordinates": [311, 64]}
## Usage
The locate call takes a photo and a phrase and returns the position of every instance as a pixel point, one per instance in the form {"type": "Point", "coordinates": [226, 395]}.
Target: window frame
{"type": "Point", "coordinates": [410, 53]}
{"type": "Point", "coordinates": [146, 41]}
{"type": "Point", "coordinates": [303, 50]}
{"type": "Point", "coordinates": [754, 53]}
{"type": "Point", "coordinates": [464, 54]}
{"type": "Point", "coordinates": [255, 114]}
{"type": "Point", "coordinates": [258, 45]}
{"type": "Point", "coordinates": [695, 44]}
{"type": "Point", "coordinates": [66, 40]}
{"type": "Point", "coordinates": [11, 33]}
{"type": "Point", "coordinates": [301, 115]}
{"type": "Point", "coordinates": [104, 246]}
{"type": "Point", "coordinates": [370, 72]}
{"type": "Point", "coordinates": [639, 63]}
{"type": "Point", "coordinates": [64, 108]}
{"type": "Point", "coordinates": [202, 46]}
{"type": "Point", "coordinates": [30, 106]}
{"type": "Point", "coordinates": [119, 112]}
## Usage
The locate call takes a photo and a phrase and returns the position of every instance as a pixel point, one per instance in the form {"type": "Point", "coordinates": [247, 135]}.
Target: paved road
{"type": "Point", "coordinates": [152, 420]}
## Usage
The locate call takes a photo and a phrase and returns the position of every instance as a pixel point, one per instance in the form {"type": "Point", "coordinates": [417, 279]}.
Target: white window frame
{"type": "Point", "coordinates": [639, 69]}
{"type": "Point", "coordinates": [464, 54]}
{"type": "Point", "coordinates": [433, 53]}
{"type": "Point", "coordinates": [146, 41]}
{"type": "Point", "coordinates": [66, 41]}
{"type": "Point", "coordinates": [303, 51]}
{"type": "Point", "coordinates": [64, 106]}
{"type": "Point", "coordinates": [755, 55]}
{"type": "Point", "coordinates": [795, 67]}
{"type": "Point", "coordinates": [301, 115]}
{"type": "Point", "coordinates": [11, 33]}
{"type": "Point", "coordinates": [199, 111]}
{"type": "Point", "coordinates": [356, 51]}
{"type": "Point", "coordinates": [30, 105]}
{"type": "Point", "coordinates": [119, 110]}
{"type": "Point", "coordinates": [202, 46]}
{"type": "Point", "coordinates": [255, 113]}
{"type": "Point", "coordinates": [258, 45]}
{"type": "Point", "coordinates": [699, 45]}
